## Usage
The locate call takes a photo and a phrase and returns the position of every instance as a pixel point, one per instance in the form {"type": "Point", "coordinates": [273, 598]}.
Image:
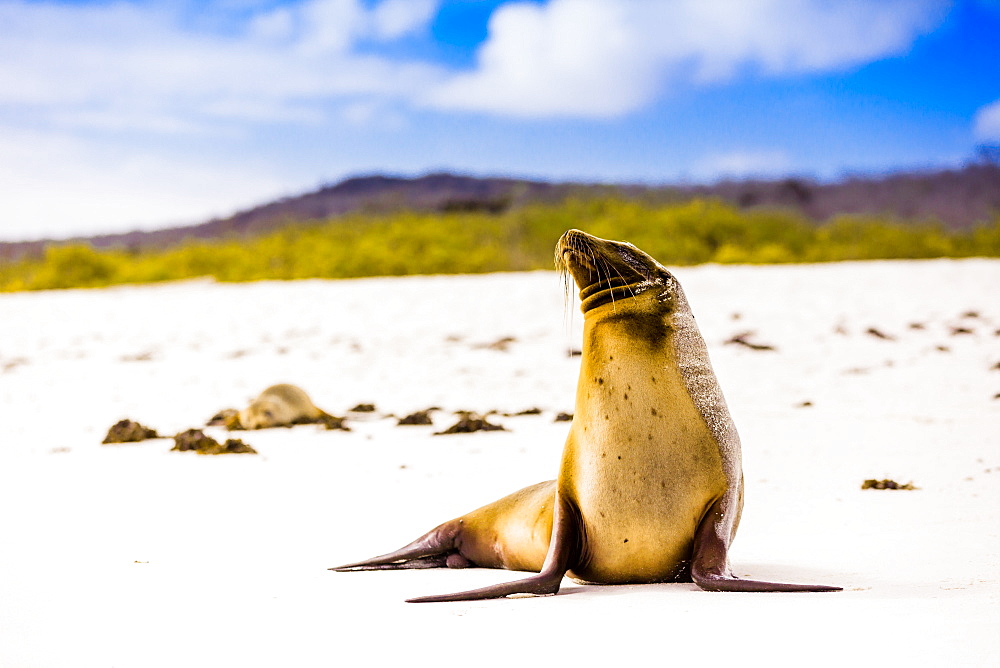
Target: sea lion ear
{"type": "Point", "coordinates": [664, 273]}
{"type": "Point", "coordinates": [668, 286]}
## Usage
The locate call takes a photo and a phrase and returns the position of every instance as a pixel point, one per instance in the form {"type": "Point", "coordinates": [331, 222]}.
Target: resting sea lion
{"type": "Point", "coordinates": [650, 487]}
{"type": "Point", "coordinates": [278, 406]}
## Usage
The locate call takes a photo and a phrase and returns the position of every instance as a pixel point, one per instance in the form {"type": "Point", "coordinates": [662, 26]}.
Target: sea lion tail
{"type": "Point", "coordinates": [435, 549]}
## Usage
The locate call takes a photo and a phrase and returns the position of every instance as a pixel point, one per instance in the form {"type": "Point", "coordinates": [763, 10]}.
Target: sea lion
{"type": "Point", "coordinates": [278, 406]}
{"type": "Point", "coordinates": [650, 487]}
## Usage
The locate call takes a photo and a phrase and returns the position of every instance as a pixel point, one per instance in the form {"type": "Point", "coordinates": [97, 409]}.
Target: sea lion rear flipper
{"type": "Point", "coordinates": [542, 584]}
{"type": "Point", "coordinates": [564, 549]}
{"type": "Point", "coordinates": [710, 560]}
{"type": "Point", "coordinates": [432, 550]}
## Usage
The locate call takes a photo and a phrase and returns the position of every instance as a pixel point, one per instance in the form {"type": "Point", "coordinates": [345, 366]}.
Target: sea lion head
{"type": "Point", "coordinates": [616, 274]}
{"type": "Point", "coordinates": [260, 414]}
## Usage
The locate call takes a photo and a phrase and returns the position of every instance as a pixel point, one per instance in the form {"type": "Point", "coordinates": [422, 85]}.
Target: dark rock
{"type": "Point", "coordinates": [232, 446]}
{"type": "Point", "coordinates": [502, 344]}
{"type": "Point", "coordinates": [127, 431]}
{"type": "Point", "coordinates": [193, 439]}
{"type": "Point", "coordinates": [742, 340]}
{"type": "Point", "coordinates": [419, 418]}
{"type": "Point", "coordinates": [885, 484]}
{"type": "Point", "coordinates": [468, 423]}
{"type": "Point", "coordinates": [878, 334]}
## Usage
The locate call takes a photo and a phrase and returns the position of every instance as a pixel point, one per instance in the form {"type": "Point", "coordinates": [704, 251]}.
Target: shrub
{"type": "Point", "coordinates": [477, 241]}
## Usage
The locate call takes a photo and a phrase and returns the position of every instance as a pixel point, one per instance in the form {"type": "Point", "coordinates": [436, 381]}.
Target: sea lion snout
{"type": "Point", "coordinates": [574, 253]}
{"type": "Point", "coordinates": [585, 257]}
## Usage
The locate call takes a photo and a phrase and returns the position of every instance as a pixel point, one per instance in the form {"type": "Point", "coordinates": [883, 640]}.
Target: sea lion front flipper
{"type": "Point", "coordinates": [435, 549]}
{"type": "Point", "coordinates": [564, 550]}
{"type": "Point", "coordinates": [710, 561]}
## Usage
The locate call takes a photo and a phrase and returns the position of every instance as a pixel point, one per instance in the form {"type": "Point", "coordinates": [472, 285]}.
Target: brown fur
{"type": "Point", "coordinates": [278, 406]}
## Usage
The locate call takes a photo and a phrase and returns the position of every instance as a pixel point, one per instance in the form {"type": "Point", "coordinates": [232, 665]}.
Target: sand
{"type": "Point", "coordinates": [133, 555]}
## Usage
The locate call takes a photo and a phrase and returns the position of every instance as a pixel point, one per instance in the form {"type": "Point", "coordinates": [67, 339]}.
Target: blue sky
{"type": "Point", "coordinates": [125, 115]}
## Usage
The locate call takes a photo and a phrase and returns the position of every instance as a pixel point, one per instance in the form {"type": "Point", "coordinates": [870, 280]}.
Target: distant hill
{"type": "Point", "coordinates": [957, 198]}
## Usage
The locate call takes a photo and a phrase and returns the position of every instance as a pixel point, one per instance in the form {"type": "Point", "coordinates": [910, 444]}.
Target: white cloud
{"type": "Point", "coordinates": [392, 19]}
{"type": "Point", "coordinates": [601, 58]}
{"type": "Point", "coordinates": [99, 102]}
{"type": "Point", "coordinates": [80, 63]}
{"type": "Point", "coordinates": [577, 58]}
{"type": "Point", "coordinates": [331, 25]}
{"type": "Point", "coordinates": [55, 185]}
{"type": "Point", "coordinates": [277, 25]}
{"type": "Point", "coordinates": [987, 123]}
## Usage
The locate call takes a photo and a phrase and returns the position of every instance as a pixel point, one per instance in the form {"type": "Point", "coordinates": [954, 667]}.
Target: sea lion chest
{"type": "Point", "coordinates": [641, 465]}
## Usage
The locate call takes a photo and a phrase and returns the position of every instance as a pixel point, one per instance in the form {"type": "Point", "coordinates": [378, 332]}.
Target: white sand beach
{"type": "Point", "coordinates": [133, 555]}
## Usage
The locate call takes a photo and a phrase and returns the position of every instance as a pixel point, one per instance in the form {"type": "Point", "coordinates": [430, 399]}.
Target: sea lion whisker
{"type": "Point", "coordinates": [625, 281]}
{"type": "Point", "coordinates": [567, 298]}
{"type": "Point", "coordinates": [593, 263]}
{"type": "Point", "coordinates": [603, 263]}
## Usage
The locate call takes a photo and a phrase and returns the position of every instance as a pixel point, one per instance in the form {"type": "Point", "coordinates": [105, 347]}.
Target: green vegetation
{"type": "Point", "coordinates": [433, 243]}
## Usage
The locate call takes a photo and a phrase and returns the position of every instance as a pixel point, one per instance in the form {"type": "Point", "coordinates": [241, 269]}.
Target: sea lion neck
{"type": "Point", "coordinates": [628, 326]}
